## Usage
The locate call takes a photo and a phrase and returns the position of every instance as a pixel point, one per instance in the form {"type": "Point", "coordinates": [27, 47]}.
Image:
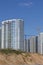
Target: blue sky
{"type": "Point", "coordinates": [29, 10]}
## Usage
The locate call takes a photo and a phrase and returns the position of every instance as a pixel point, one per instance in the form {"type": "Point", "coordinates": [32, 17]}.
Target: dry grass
{"type": "Point", "coordinates": [13, 57]}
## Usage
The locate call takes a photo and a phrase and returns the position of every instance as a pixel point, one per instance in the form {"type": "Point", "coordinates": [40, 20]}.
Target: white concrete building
{"type": "Point", "coordinates": [0, 37]}
{"type": "Point", "coordinates": [13, 34]}
{"type": "Point", "coordinates": [40, 43]}
{"type": "Point", "coordinates": [33, 44]}
{"type": "Point", "coordinates": [27, 45]}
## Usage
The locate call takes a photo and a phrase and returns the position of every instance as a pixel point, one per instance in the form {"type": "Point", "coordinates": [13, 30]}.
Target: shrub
{"type": "Point", "coordinates": [7, 51]}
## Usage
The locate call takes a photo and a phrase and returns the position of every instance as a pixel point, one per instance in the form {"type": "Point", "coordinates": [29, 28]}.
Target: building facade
{"type": "Point", "coordinates": [27, 45]}
{"type": "Point", "coordinates": [40, 43]}
{"type": "Point", "coordinates": [33, 44]}
{"type": "Point", "coordinates": [13, 34]}
{"type": "Point", "coordinates": [37, 44]}
{"type": "Point", "coordinates": [0, 37]}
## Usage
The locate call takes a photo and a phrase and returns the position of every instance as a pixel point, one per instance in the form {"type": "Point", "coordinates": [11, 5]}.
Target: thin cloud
{"type": "Point", "coordinates": [26, 4]}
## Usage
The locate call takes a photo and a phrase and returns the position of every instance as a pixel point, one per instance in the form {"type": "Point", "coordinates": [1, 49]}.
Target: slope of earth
{"type": "Point", "coordinates": [20, 58]}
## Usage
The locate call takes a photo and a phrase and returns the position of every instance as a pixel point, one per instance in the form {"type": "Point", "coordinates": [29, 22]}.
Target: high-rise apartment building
{"type": "Point", "coordinates": [27, 45]}
{"type": "Point", "coordinates": [13, 34]}
{"type": "Point", "coordinates": [40, 43]}
{"type": "Point", "coordinates": [33, 44]}
{"type": "Point", "coordinates": [37, 44]}
{"type": "Point", "coordinates": [0, 37]}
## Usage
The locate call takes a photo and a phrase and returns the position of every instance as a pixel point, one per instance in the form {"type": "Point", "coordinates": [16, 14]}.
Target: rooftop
{"type": "Point", "coordinates": [11, 20]}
